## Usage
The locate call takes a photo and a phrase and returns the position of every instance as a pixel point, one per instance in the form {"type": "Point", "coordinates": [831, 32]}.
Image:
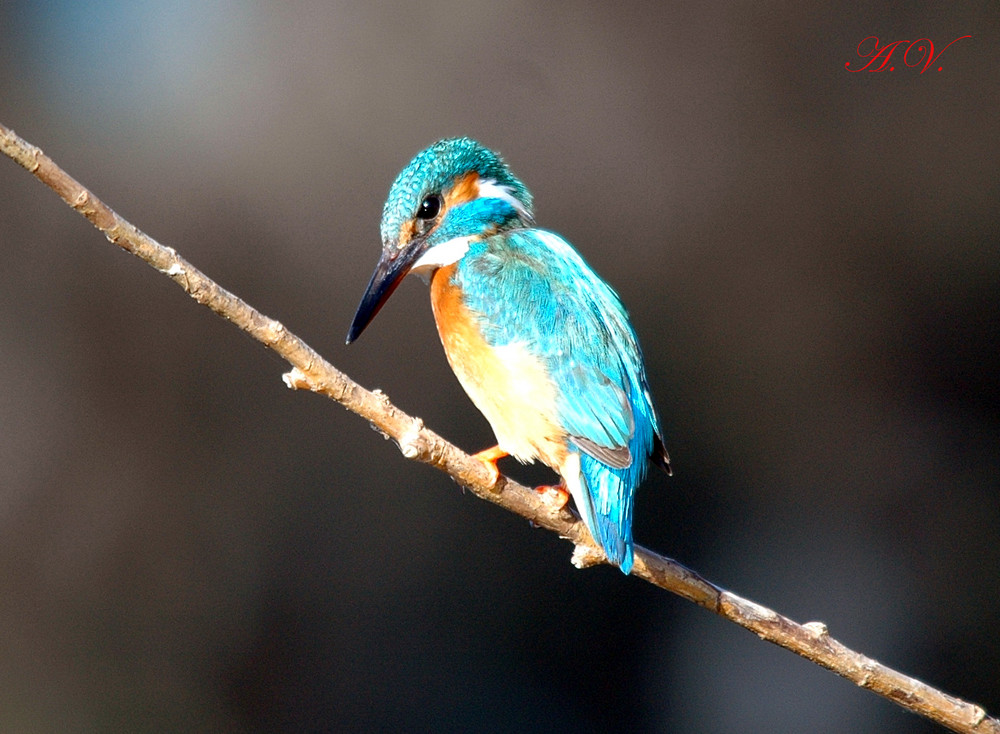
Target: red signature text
{"type": "Point", "coordinates": [912, 54]}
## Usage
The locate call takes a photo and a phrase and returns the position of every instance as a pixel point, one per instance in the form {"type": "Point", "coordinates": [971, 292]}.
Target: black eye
{"type": "Point", "coordinates": [429, 207]}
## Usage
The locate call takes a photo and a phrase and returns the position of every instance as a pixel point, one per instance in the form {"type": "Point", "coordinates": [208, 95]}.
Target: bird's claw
{"type": "Point", "coordinates": [489, 458]}
{"type": "Point", "coordinates": [553, 495]}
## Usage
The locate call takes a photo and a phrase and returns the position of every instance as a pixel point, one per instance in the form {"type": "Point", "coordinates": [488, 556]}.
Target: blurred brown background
{"type": "Point", "coordinates": [811, 260]}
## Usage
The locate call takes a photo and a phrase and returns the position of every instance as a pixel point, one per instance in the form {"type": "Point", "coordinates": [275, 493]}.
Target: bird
{"type": "Point", "coordinates": [540, 343]}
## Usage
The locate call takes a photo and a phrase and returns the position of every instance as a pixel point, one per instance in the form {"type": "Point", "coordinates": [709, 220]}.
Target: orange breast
{"type": "Point", "coordinates": [459, 333]}
{"type": "Point", "coordinates": [509, 385]}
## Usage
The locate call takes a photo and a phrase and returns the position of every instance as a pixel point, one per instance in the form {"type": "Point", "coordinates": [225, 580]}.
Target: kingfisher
{"type": "Point", "coordinates": [542, 346]}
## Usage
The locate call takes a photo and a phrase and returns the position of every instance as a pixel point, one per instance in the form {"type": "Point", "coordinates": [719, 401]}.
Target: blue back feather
{"type": "Point", "coordinates": [530, 286]}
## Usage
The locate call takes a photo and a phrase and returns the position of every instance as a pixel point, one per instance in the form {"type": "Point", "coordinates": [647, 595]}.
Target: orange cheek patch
{"type": "Point", "coordinates": [465, 189]}
{"type": "Point", "coordinates": [406, 231]}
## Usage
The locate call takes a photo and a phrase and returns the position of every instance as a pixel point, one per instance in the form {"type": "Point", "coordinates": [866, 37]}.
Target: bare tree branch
{"type": "Point", "coordinates": [311, 371]}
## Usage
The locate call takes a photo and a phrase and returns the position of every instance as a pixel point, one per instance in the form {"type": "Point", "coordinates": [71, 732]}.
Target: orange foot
{"type": "Point", "coordinates": [489, 458]}
{"type": "Point", "coordinates": [554, 495]}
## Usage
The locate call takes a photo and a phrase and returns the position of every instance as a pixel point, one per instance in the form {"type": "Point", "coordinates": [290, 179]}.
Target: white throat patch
{"type": "Point", "coordinates": [441, 255]}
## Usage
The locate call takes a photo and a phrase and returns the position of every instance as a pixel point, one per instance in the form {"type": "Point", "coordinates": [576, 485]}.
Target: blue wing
{"type": "Point", "coordinates": [530, 286]}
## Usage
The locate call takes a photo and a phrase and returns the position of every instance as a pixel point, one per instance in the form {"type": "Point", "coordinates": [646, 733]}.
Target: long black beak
{"type": "Point", "coordinates": [390, 271]}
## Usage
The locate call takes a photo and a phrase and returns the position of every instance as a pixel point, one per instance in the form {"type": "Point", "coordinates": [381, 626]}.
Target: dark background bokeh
{"type": "Point", "coordinates": [810, 258]}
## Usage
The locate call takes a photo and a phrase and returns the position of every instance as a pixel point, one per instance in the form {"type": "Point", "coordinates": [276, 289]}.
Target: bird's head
{"type": "Point", "coordinates": [449, 195]}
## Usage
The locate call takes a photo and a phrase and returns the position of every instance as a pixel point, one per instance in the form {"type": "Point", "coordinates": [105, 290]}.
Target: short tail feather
{"type": "Point", "coordinates": [605, 502]}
